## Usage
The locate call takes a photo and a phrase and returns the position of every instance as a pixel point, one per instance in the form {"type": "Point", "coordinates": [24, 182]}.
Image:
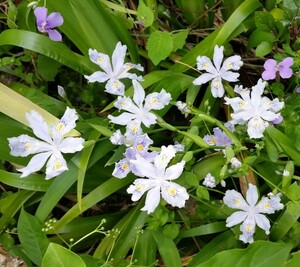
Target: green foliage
{"type": "Point", "coordinates": [165, 37]}
{"type": "Point", "coordinates": [257, 254]}
{"type": "Point", "coordinates": [57, 255]}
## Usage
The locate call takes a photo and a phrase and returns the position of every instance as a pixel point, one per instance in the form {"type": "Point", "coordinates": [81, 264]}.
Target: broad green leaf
{"type": "Point", "coordinates": [58, 188]}
{"type": "Point", "coordinates": [43, 45]}
{"type": "Point", "coordinates": [202, 192]}
{"type": "Point", "coordinates": [118, 245]}
{"type": "Point", "coordinates": [145, 251]}
{"type": "Point", "coordinates": [11, 204]}
{"type": "Point", "coordinates": [34, 182]}
{"type": "Point", "coordinates": [159, 46]}
{"type": "Point", "coordinates": [59, 256]}
{"type": "Point", "coordinates": [179, 39]}
{"type": "Point", "coordinates": [264, 21]}
{"type": "Point", "coordinates": [101, 192]}
{"type": "Point", "coordinates": [294, 261]}
{"type": "Point", "coordinates": [33, 240]}
{"type": "Point", "coordinates": [83, 165]}
{"type": "Point", "coordinates": [167, 250]}
{"type": "Point", "coordinates": [258, 254]}
{"type": "Point", "coordinates": [264, 48]}
{"type": "Point", "coordinates": [47, 67]}
{"type": "Point", "coordinates": [286, 221]}
{"type": "Point", "coordinates": [90, 24]}
{"type": "Point", "coordinates": [145, 14]}
{"type": "Point", "coordinates": [285, 143]}
{"type": "Point", "coordinates": [205, 229]}
{"type": "Point", "coordinates": [258, 36]}
{"type": "Point", "coordinates": [221, 243]}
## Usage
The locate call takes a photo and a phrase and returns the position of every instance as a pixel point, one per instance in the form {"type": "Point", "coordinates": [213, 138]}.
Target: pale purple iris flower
{"type": "Point", "coordinates": [283, 68]}
{"type": "Point", "coordinates": [298, 90]}
{"type": "Point", "coordinates": [140, 146]}
{"type": "Point", "coordinates": [219, 138]}
{"type": "Point", "coordinates": [46, 24]}
{"type": "Point", "coordinates": [250, 211]}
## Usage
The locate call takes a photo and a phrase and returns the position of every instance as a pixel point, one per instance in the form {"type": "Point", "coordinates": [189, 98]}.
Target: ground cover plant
{"type": "Point", "coordinates": [150, 133]}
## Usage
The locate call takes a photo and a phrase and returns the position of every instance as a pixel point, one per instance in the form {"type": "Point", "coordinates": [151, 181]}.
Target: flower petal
{"type": "Point", "coordinates": [139, 187]}
{"type": "Point", "coordinates": [139, 93]}
{"type": "Point", "coordinates": [54, 35]}
{"type": "Point", "coordinates": [262, 222]}
{"type": "Point", "coordinates": [118, 57]}
{"type": "Point", "coordinates": [115, 87]}
{"type": "Point", "coordinates": [40, 14]}
{"type": "Point", "coordinates": [25, 145]}
{"type": "Point", "coordinates": [152, 199]}
{"type": "Point", "coordinates": [54, 20]}
{"type": "Point", "coordinates": [203, 78]}
{"type": "Point", "coordinates": [122, 119]}
{"type": "Point", "coordinates": [174, 171]}
{"type": "Point", "coordinates": [98, 76]}
{"type": "Point", "coordinates": [252, 195]}
{"type": "Point", "coordinates": [143, 168]}
{"type": "Point", "coordinates": [55, 166]}
{"type": "Point", "coordinates": [235, 200]}
{"type": "Point", "coordinates": [71, 145]}
{"type": "Point", "coordinates": [39, 126]}
{"type": "Point", "coordinates": [218, 56]}
{"type": "Point", "coordinates": [35, 164]}
{"type": "Point", "coordinates": [102, 60]}
{"type": "Point", "coordinates": [122, 168]}
{"type": "Point", "coordinates": [236, 218]}
{"type": "Point", "coordinates": [174, 194]}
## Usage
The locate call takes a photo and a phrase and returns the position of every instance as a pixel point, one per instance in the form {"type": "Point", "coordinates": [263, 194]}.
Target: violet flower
{"type": "Point", "coordinates": [283, 69]}
{"type": "Point", "coordinates": [46, 24]}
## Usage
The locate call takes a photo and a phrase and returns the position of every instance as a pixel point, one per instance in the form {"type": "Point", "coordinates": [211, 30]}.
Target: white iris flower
{"type": "Point", "coordinates": [253, 109]}
{"type": "Point", "coordinates": [50, 146]}
{"type": "Point", "coordinates": [113, 71]}
{"type": "Point", "coordinates": [251, 213]}
{"type": "Point", "coordinates": [157, 180]}
{"type": "Point", "coordinates": [216, 73]}
{"type": "Point", "coordinates": [139, 108]}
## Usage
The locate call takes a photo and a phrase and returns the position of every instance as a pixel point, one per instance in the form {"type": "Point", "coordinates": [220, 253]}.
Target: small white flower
{"type": "Point", "coordinates": [209, 181]}
{"type": "Point", "coordinates": [183, 108]}
{"type": "Point", "coordinates": [286, 173]}
{"type": "Point", "coordinates": [216, 72]}
{"type": "Point", "coordinates": [117, 138]}
{"type": "Point", "coordinates": [235, 163]}
{"type": "Point", "coordinates": [251, 213]}
{"type": "Point", "coordinates": [61, 92]}
{"type": "Point", "coordinates": [253, 109]}
{"type": "Point", "coordinates": [113, 71]}
{"type": "Point", "coordinates": [139, 108]}
{"type": "Point", "coordinates": [157, 180]}
{"type": "Point", "coordinates": [54, 143]}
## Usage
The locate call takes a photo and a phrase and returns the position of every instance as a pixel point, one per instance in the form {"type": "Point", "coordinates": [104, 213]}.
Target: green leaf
{"type": "Point", "coordinates": [294, 262]}
{"type": "Point", "coordinates": [43, 45]}
{"type": "Point", "coordinates": [11, 204]}
{"type": "Point", "coordinates": [145, 251]}
{"type": "Point", "coordinates": [171, 230]}
{"type": "Point", "coordinates": [159, 46]}
{"type": "Point", "coordinates": [221, 243]}
{"type": "Point", "coordinates": [258, 254]}
{"type": "Point", "coordinates": [258, 36]}
{"type": "Point", "coordinates": [33, 240]}
{"type": "Point", "coordinates": [202, 192]}
{"type": "Point", "coordinates": [59, 256]}
{"type": "Point", "coordinates": [167, 250]}
{"type": "Point", "coordinates": [145, 14]}
{"type": "Point", "coordinates": [47, 67]}
{"type": "Point", "coordinates": [286, 221]}
{"type": "Point", "coordinates": [264, 21]}
{"type": "Point", "coordinates": [179, 39]}
{"type": "Point", "coordinates": [264, 48]}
